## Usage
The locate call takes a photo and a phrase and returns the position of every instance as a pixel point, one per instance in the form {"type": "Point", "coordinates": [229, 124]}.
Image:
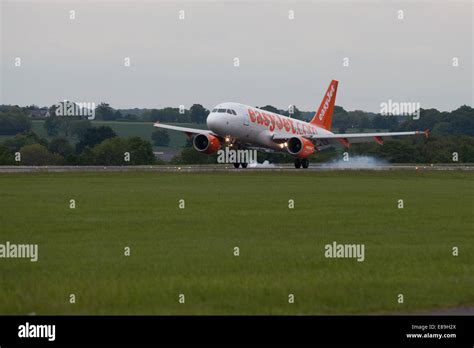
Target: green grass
{"type": "Point", "coordinates": [190, 250]}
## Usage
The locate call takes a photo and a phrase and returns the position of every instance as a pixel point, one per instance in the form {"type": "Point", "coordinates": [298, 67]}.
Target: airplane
{"type": "Point", "coordinates": [246, 127]}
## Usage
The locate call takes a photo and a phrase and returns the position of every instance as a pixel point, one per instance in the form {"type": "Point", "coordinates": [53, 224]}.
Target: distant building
{"type": "Point", "coordinates": [39, 113]}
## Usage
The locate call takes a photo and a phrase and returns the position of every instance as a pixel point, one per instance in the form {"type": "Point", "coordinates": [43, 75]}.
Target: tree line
{"type": "Point", "coordinates": [451, 132]}
{"type": "Point", "coordinates": [96, 146]}
{"type": "Point", "coordinates": [14, 119]}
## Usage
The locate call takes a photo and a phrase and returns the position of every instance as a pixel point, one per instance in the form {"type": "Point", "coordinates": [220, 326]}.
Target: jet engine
{"type": "Point", "coordinates": [300, 147]}
{"type": "Point", "coordinates": [206, 143]}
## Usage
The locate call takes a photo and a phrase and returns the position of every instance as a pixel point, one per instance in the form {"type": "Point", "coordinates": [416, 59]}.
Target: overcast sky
{"type": "Point", "coordinates": [282, 61]}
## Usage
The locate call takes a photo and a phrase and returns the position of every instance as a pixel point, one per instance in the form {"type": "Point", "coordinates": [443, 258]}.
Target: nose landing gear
{"type": "Point", "coordinates": [301, 162]}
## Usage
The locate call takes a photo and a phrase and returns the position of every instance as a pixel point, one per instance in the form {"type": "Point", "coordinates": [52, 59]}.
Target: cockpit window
{"type": "Point", "coordinates": [227, 111]}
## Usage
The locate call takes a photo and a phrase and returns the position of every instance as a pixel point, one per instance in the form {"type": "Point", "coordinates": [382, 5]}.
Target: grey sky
{"type": "Point", "coordinates": [282, 61]}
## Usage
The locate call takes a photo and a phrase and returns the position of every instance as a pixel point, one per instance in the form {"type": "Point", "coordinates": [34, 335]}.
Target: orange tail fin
{"type": "Point", "coordinates": [323, 117]}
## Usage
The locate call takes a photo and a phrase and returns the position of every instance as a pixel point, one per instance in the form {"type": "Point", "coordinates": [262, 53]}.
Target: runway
{"type": "Point", "coordinates": [317, 167]}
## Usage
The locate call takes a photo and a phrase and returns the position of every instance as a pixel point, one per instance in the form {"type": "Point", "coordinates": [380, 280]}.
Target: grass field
{"type": "Point", "coordinates": [190, 251]}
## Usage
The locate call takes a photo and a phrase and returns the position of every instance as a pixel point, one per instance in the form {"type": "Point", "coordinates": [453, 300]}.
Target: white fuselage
{"type": "Point", "coordinates": [250, 125]}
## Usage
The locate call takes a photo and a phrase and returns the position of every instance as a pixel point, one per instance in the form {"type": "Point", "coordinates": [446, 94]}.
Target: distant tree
{"type": "Point", "coordinates": [61, 146]}
{"type": "Point", "coordinates": [52, 125]}
{"type": "Point", "coordinates": [131, 117]}
{"type": "Point", "coordinates": [339, 110]}
{"type": "Point", "coordinates": [160, 137]}
{"type": "Point", "coordinates": [428, 119]}
{"type": "Point", "coordinates": [38, 155]}
{"type": "Point", "coordinates": [25, 138]}
{"type": "Point", "coordinates": [166, 115]}
{"type": "Point", "coordinates": [307, 116]}
{"type": "Point", "coordinates": [13, 121]}
{"type": "Point", "coordinates": [459, 121]}
{"type": "Point", "coordinates": [271, 109]}
{"type": "Point", "coordinates": [141, 151]}
{"type": "Point", "coordinates": [462, 120]}
{"type": "Point", "coordinates": [185, 117]}
{"type": "Point", "coordinates": [72, 160]}
{"type": "Point", "coordinates": [6, 156]}
{"type": "Point", "coordinates": [153, 115]}
{"type": "Point", "coordinates": [86, 157]}
{"type": "Point", "coordinates": [198, 113]}
{"type": "Point", "coordinates": [66, 125]}
{"type": "Point", "coordinates": [104, 112]}
{"type": "Point", "coordinates": [79, 127]}
{"type": "Point", "coordinates": [443, 128]}
{"type": "Point", "coordinates": [295, 114]}
{"type": "Point", "coordinates": [397, 152]}
{"type": "Point", "coordinates": [384, 122]}
{"type": "Point", "coordinates": [110, 152]}
{"type": "Point", "coordinates": [342, 129]}
{"type": "Point", "coordinates": [52, 110]}
{"type": "Point", "coordinates": [93, 136]}
{"type": "Point", "coordinates": [357, 118]}
{"type": "Point", "coordinates": [340, 117]}
{"type": "Point", "coordinates": [364, 122]}
{"type": "Point", "coordinates": [113, 151]}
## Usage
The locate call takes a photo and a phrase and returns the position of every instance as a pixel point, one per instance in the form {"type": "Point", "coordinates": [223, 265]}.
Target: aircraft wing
{"type": "Point", "coordinates": [189, 131]}
{"type": "Point", "coordinates": [345, 139]}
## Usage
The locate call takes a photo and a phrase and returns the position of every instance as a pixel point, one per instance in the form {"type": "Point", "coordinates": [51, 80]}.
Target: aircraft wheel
{"type": "Point", "coordinates": [305, 163]}
{"type": "Point", "coordinates": [297, 163]}
{"type": "Point", "coordinates": [236, 165]}
{"type": "Point", "coordinates": [244, 165]}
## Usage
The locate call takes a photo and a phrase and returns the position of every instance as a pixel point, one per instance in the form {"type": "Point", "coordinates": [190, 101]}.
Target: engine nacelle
{"type": "Point", "coordinates": [206, 143]}
{"type": "Point", "coordinates": [300, 147]}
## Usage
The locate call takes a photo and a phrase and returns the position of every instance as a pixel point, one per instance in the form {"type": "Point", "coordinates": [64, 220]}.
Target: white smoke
{"type": "Point", "coordinates": [356, 162]}
{"type": "Point", "coordinates": [265, 164]}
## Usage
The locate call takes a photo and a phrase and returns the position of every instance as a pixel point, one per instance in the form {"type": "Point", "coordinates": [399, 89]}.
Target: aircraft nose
{"type": "Point", "coordinates": [212, 121]}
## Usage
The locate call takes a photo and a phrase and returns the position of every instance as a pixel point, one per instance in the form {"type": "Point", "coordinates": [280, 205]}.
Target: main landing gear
{"type": "Point", "coordinates": [301, 162]}
{"type": "Point", "coordinates": [237, 165]}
